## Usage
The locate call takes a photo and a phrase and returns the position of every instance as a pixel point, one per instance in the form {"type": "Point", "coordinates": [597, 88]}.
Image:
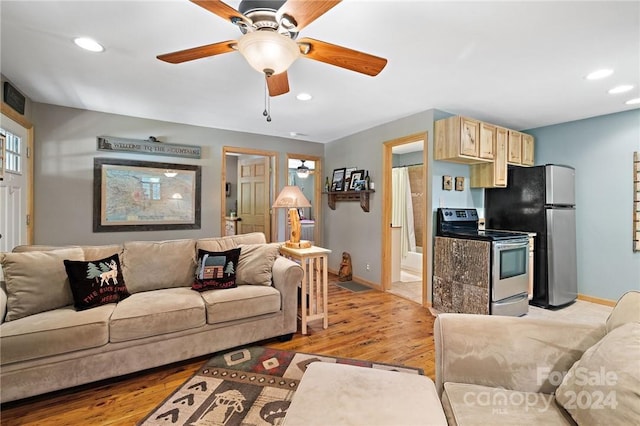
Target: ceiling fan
{"type": "Point", "coordinates": [268, 41]}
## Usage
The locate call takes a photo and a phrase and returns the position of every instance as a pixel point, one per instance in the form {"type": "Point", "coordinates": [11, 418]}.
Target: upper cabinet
{"type": "Point", "coordinates": [520, 149]}
{"type": "Point", "coordinates": [486, 147]}
{"type": "Point", "coordinates": [463, 140]}
{"type": "Point", "coordinates": [527, 149]}
{"type": "Point", "coordinates": [514, 155]}
{"type": "Point", "coordinates": [493, 175]}
{"type": "Point", "coordinates": [487, 141]}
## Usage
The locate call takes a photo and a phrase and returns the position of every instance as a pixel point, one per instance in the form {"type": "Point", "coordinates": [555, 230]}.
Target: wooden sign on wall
{"type": "Point", "coordinates": [108, 143]}
{"type": "Point", "coordinates": [13, 98]}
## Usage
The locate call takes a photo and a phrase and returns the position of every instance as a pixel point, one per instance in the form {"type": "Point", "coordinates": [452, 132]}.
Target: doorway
{"type": "Point", "coordinates": [16, 183]}
{"type": "Point", "coordinates": [405, 245]}
{"type": "Point", "coordinates": [310, 183]}
{"type": "Point", "coordinates": [247, 191]}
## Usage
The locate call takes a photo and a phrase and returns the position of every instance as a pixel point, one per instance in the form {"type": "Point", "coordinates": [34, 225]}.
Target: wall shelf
{"type": "Point", "coordinates": [362, 196]}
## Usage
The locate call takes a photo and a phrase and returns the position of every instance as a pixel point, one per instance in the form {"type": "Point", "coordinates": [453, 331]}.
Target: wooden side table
{"type": "Point", "coordinates": [315, 282]}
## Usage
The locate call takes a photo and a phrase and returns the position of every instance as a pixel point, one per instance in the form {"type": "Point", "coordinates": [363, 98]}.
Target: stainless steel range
{"type": "Point", "coordinates": [509, 258]}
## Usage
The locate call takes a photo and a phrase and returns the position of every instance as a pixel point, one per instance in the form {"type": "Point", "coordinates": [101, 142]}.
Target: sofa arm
{"type": "Point", "coordinates": [524, 354]}
{"type": "Point", "coordinates": [3, 298]}
{"type": "Point", "coordinates": [286, 275]}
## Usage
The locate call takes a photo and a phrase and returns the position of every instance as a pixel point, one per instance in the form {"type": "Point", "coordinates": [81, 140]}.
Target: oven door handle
{"type": "Point", "coordinates": [515, 244]}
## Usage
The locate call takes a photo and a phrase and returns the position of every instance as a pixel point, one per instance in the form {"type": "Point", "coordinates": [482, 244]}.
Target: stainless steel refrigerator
{"type": "Point", "coordinates": [541, 199]}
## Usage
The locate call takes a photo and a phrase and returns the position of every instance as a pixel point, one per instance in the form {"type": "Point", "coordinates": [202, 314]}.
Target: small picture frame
{"type": "Point", "coordinates": [337, 182]}
{"type": "Point", "coordinates": [347, 177]}
{"type": "Point", "coordinates": [356, 176]}
{"type": "Point", "coordinates": [447, 183]}
{"type": "Point", "coordinates": [459, 183]}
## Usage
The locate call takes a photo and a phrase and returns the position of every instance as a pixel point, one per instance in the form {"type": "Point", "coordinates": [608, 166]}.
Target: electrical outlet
{"type": "Point", "coordinates": [368, 267]}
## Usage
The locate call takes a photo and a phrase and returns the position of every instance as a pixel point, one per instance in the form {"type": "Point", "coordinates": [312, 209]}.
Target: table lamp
{"type": "Point", "coordinates": [292, 198]}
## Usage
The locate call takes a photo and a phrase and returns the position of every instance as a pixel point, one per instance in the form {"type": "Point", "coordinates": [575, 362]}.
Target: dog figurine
{"type": "Point", "coordinates": [346, 271]}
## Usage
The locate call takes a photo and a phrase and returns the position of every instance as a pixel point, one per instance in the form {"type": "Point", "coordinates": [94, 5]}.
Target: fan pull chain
{"type": "Point", "coordinates": [267, 101]}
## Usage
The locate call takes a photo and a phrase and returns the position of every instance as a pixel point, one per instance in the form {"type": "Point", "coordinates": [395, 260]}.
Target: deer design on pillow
{"type": "Point", "coordinates": [112, 274]}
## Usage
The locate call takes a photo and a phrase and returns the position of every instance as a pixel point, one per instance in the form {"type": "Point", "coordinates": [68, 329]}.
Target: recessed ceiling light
{"type": "Point", "coordinates": [634, 101]}
{"type": "Point", "coordinates": [88, 44]}
{"type": "Point", "coordinates": [621, 89]}
{"type": "Point", "coordinates": [597, 75]}
{"type": "Point", "coordinates": [304, 97]}
{"type": "Point", "coordinates": [296, 134]}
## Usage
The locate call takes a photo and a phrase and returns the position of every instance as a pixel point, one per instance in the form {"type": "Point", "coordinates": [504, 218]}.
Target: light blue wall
{"type": "Point", "coordinates": [601, 150]}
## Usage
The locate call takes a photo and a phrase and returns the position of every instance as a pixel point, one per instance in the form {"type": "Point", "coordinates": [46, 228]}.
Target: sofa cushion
{"type": "Point", "coordinates": [36, 281]}
{"type": "Point", "coordinates": [626, 310]}
{"type": "Point", "coordinates": [603, 387]}
{"type": "Point", "coordinates": [100, 252]}
{"type": "Point", "coordinates": [467, 404]}
{"type": "Point", "coordinates": [240, 302]}
{"type": "Point", "coordinates": [216, 270]}
{"type": "Point", "coordinates": [256, 263]}
{"type": "Point", "coordinates": [157, 312]}
{"type": "Point", "coordinates": [96, 283]}
{"type": "Point", "coordinates": [230, 241]}
{"type": "Point", "coordinates": [152, 265]}
{"type": "Point", "coordinates": [54, 332]}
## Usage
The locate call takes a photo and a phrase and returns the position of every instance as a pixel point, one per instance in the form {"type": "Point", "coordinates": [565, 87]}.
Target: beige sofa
{"type": "Point", "coordinates": [162, 321]}
{"type": "Point", "coordinates": [524, 371]}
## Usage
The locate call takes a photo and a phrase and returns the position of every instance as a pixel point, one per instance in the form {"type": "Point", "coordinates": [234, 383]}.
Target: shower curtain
{"type": "Point", "coordinates": [402, 211]}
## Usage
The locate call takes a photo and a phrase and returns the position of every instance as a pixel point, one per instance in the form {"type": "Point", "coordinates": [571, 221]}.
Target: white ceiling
{"type": "Point", "coordinates": [517, 64]}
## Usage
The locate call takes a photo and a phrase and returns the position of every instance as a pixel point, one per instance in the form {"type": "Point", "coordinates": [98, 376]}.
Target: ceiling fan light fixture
{"type": "Point", "coordinates": [302, 171]}
{"type": "Point", "coordinates": [268, 52]}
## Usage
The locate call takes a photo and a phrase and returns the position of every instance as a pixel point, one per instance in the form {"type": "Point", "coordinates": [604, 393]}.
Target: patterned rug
{"type": "Point", "coordinates": [251, 386]}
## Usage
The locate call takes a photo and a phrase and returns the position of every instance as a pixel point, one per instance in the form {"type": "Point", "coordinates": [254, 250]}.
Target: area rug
{"type": "Point", "coordinates": [251, 386]}
{"type": "Point", "coordinates": [353, 286]}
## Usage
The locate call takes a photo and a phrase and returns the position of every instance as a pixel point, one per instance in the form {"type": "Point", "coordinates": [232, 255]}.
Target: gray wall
{"type": "Point", "coordinates": [601, 150]}
{"type": "Point", "coordinates": [65, 146]}
{"type": "Point", "coordinates": [348, 228]}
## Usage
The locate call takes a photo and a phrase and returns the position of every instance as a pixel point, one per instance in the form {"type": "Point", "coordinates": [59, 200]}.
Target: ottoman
{"type": "Point", "coordinates": [339, 394]}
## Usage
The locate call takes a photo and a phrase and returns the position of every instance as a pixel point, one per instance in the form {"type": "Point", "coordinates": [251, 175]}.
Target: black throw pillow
{"type": "Point", "coordinates": [216, 270]}
{"type": "Point", "coordinates": [97, 282]}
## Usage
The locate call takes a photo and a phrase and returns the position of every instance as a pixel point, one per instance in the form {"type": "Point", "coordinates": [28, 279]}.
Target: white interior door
{"type": "Point", "coordinates": [14, 189]}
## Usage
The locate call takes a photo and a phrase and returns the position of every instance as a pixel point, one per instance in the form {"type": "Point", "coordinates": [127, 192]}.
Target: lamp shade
{"type": "Point", "coordinates": [268, 51]}
{"type": "Point", "coordinates": [291, 197]}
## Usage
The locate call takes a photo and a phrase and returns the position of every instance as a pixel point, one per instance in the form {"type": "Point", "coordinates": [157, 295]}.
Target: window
{"type": "Point", "coordinates": [13, 149]}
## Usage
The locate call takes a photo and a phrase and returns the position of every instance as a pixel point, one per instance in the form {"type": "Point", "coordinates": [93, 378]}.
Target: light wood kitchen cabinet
{"type": "Point", "coordinates": [514, 151]}
{"type": "Point", "coordinates": [458, 139]}
{"type": "Point", "coordinates": [493, 175]}
{"type": "Point", "coordinates": [487, 141]}
{"type": "Point", "coordinates": [486, 147]}
{"type": "Point", "coordinates": [527, 150]}
{"type": "Point", "coordinates": [521, 149]}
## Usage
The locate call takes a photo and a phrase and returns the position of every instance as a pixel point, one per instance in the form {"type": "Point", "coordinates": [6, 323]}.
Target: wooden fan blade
{"type": "Point", "coordinates": [341, 56]}
{"type": "Point", "coordinates": [198, 52]}
{"type": "Point", "coordinates": [221, 9]}
{"type": "Point", "coordinates": [305, 12]}
{"type": "Point", "coordinates": [278, 84]}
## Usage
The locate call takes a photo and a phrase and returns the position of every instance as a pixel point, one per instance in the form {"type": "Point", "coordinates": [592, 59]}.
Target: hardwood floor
{"type": "Point", "coordinates": [369, 325]}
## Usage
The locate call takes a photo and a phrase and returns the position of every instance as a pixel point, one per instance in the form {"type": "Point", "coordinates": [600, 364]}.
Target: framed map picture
{"type": "Point", "coordinates": [133, 195]}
